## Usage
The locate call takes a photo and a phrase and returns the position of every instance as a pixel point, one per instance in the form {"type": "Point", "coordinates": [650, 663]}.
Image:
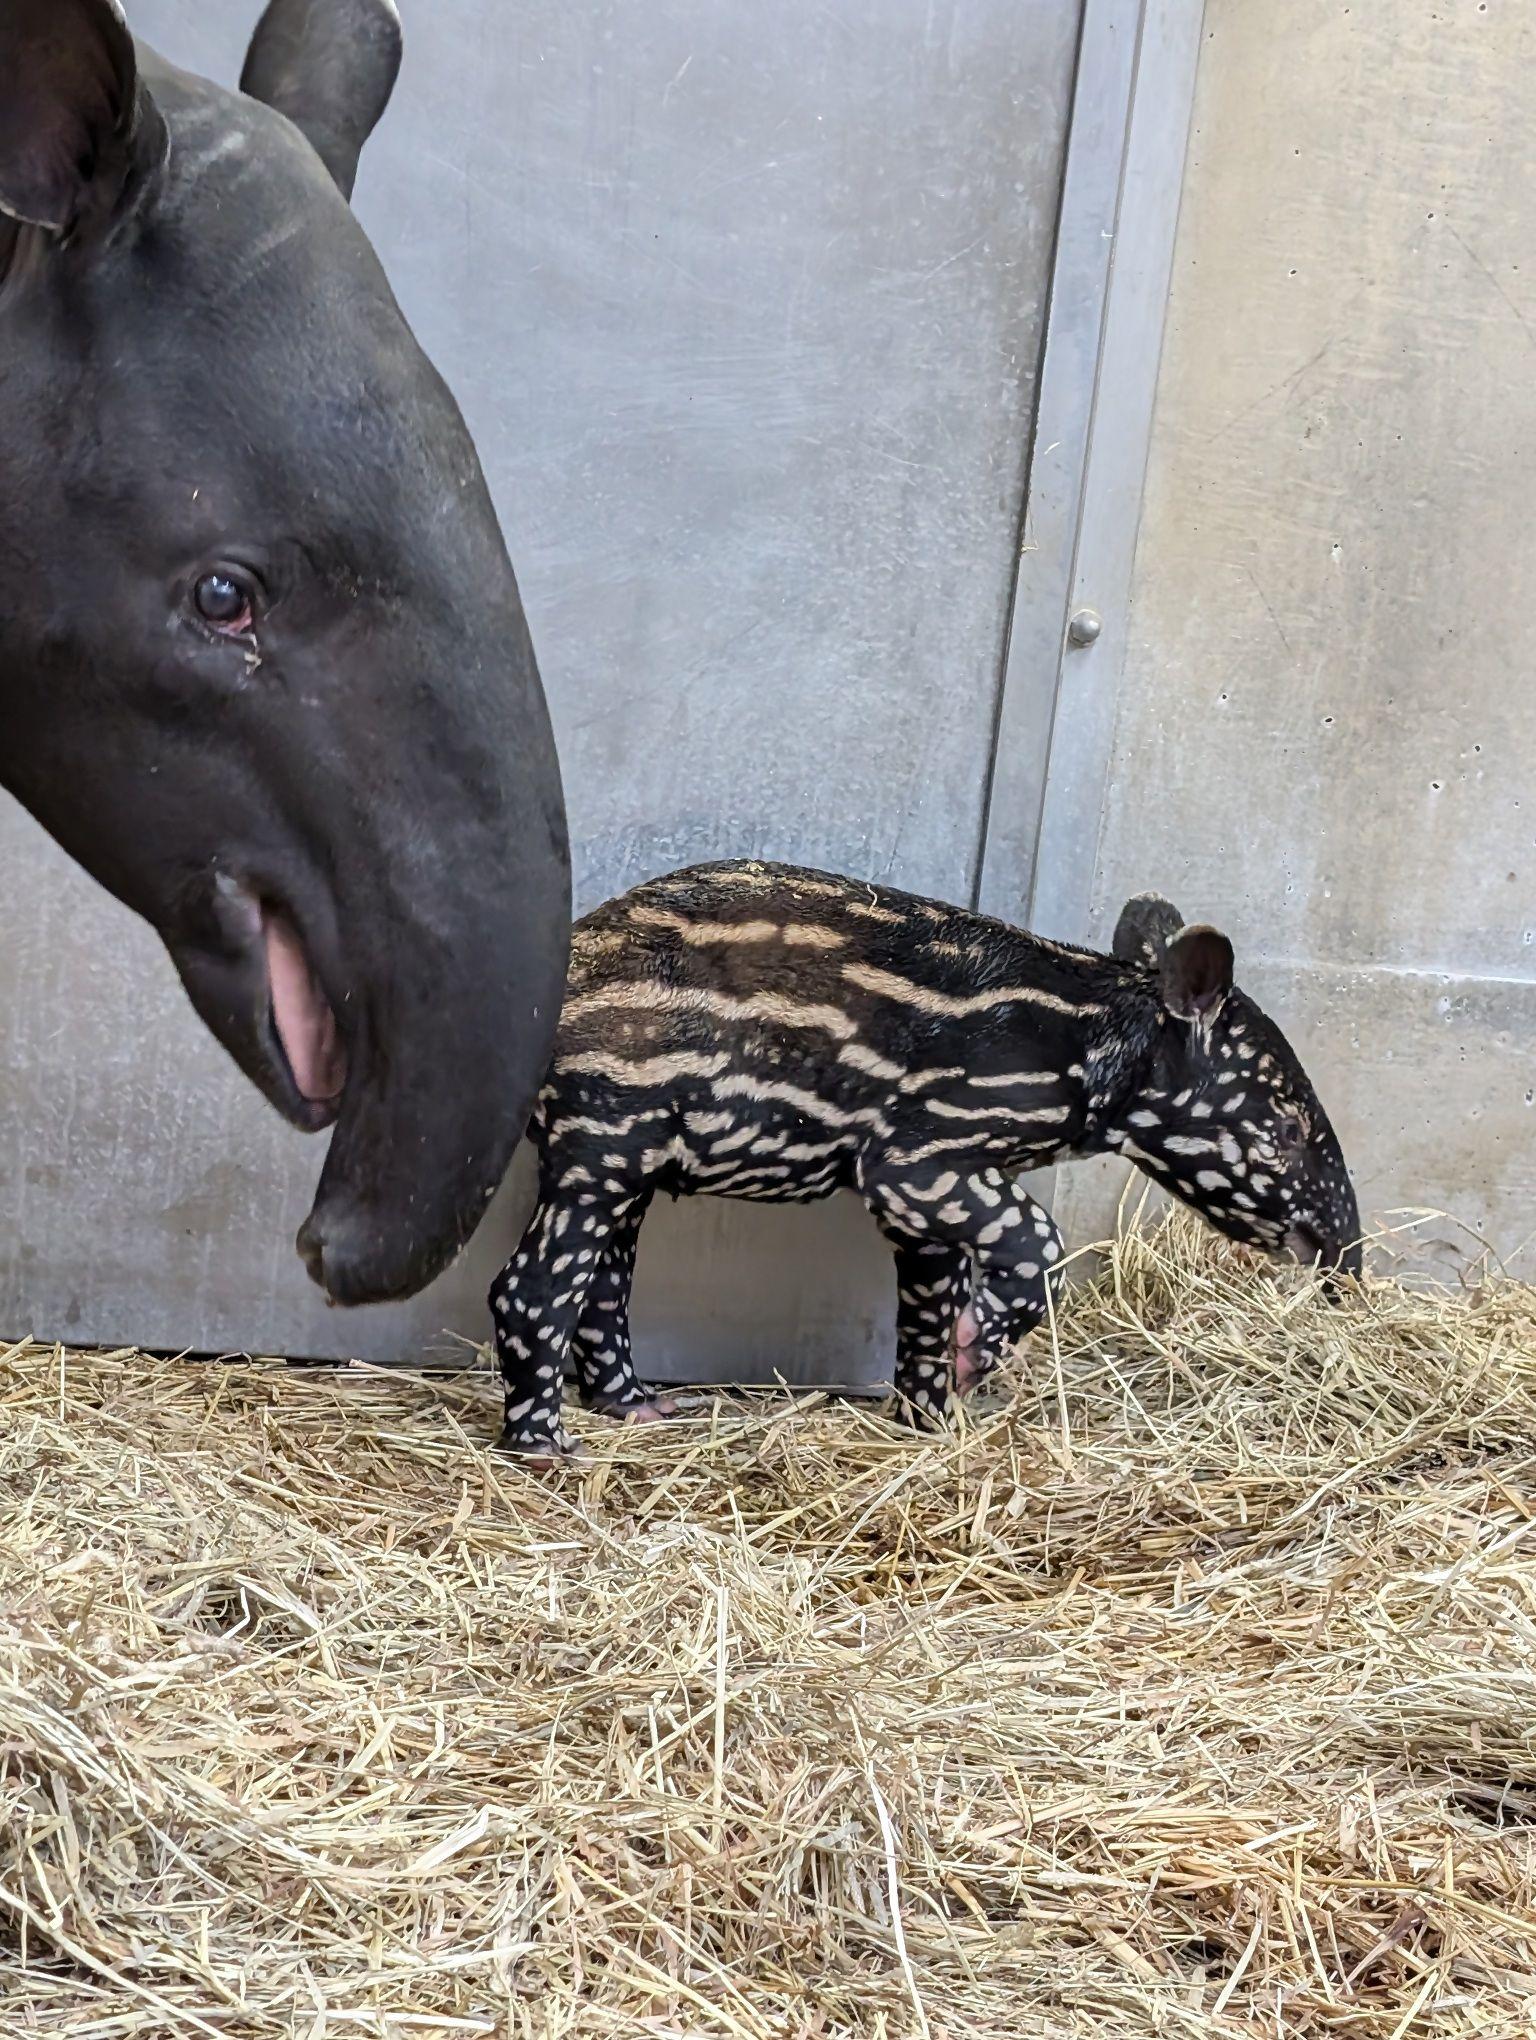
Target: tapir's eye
{"type": "Point", "coordinates": [226, 603]}
{"type": "Point", "coordinates": [1290, 1134]}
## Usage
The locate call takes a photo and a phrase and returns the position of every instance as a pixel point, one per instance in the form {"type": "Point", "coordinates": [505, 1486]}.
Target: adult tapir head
{"type": "Point", "coordinates": [263, 667]}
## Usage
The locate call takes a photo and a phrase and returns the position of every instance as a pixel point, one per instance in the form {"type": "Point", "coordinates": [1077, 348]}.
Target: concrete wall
{"type": "Point", "coordinates": [1326, 733]}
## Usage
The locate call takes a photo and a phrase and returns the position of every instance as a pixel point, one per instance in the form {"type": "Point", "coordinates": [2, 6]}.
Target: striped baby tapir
{"type": "Point", "coordinates": [755, 1030]}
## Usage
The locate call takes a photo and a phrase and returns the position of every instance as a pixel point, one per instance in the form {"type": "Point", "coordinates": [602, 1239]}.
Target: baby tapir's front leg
{"type": "Point", "coordinates": [1017, 1248]}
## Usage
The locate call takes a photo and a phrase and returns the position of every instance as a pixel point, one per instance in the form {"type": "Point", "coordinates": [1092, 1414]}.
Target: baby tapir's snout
{"type": "Point", "coordinates": [757, 1031]}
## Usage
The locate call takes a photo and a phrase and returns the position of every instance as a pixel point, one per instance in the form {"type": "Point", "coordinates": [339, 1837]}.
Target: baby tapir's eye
{"type": "Point", "coordinates": [226, 602]}
{"type": "Point", "coordinates": [1290, 1134]}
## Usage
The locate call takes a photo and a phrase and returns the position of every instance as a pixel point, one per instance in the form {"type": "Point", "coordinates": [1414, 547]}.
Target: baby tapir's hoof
{"type": "Point", "coordinates": [652, 1409]}
{"type": "Point", "coordinates": [923, 1403]}
{"type": "Point", "coordinates": [539, 1458]}
{"type": "Point", "coordinates": [628, 1402]}
{"type": "Point", "coordinates": [973, 1360]}
{"type": "Point", "coordinates": [529, 1436]}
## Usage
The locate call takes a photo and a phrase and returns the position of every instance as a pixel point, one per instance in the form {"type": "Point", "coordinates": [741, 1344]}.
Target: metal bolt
{"type": "Point", "coordinates": [1084, 626]}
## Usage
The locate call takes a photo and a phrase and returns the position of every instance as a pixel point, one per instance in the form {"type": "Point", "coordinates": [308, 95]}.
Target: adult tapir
{"type": "Point", "coordinates": [264, 669]}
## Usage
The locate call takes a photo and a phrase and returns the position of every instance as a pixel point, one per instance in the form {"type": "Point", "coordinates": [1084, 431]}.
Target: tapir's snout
{"type": "Point", "coordinates": [453, 1011]}
{"type": "Point", "coordinates": [379, 939]}
{"type": "Point", "coordinates": [1327, 1233]}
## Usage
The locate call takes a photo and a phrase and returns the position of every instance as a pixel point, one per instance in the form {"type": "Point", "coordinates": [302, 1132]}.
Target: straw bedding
{"type": "Point", "coordinates": [1187, 1690]}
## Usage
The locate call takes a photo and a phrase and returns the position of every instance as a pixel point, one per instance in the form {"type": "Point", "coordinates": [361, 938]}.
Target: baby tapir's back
{"type": "Point", "coordinates": [748, 1029]}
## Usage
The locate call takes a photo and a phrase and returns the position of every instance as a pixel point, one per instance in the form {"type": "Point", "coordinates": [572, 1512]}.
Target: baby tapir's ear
{"type": "Point", "coordinates": [1196, 973]}
{"type": "Point", "coordinates": [1146, 926]}
{"type": "Point", "coordinates": [330, 65]}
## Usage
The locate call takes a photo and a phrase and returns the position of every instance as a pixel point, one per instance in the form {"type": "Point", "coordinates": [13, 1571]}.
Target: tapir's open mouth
{"type": "Point", "coordinates": [303, 1021]}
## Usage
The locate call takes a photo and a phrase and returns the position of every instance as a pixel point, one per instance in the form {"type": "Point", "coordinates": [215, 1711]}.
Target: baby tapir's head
{"type": "Point", "coordinates": [1223, 1113]}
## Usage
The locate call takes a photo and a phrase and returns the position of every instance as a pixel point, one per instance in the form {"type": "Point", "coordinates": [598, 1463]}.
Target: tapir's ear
{"type": "Point", "coordinates": [330, 65]}
{"type": "Point", "coordinates": [1146, 926]}
{"type": "Point", "coordinates": [1196, 973]}
{"type": "Point", "coordinates": [75, 123]}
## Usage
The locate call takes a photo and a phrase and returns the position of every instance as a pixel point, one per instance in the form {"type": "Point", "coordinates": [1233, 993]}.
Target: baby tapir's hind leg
{"type": "Point", "coordinates": [537, 1302]}
{"type": "Point", "coordinates": [931, 1286]}
{"type": "Point", "coordinates": [605, 1364]}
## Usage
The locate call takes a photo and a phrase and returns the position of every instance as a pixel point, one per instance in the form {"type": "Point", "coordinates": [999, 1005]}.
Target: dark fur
{"type": "Point", "coordinates": [754, 1030]}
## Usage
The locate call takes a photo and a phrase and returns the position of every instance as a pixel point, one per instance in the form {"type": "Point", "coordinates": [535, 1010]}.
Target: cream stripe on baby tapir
{"type": "Point", "coordinates": [754, 1030]}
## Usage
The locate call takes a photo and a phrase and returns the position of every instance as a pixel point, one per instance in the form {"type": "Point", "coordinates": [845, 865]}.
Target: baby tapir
{"type": "Point", "coordinates": [755, 1030]}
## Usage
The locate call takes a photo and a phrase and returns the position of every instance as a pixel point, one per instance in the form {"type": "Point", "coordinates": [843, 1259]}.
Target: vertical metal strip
{"type": "Point", "coordinates": [1076, 786]}
{"type": "Point", "coordinates": [1120, 208]}
{"type": "Point", "coordinates": [1027, 682]}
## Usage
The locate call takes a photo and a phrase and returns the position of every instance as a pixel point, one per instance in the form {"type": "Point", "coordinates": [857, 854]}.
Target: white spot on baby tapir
{"type": "Point", "coordinates": [991, 1234]}
{"type": "Point", "coordinates": [707, 934]}
{"type": "Point", "coordinates": [1190, 1144]}
{"type": "Point", "coordinates": [1212, 1179]}
{"type": "Point", "coordinates": [652, 1069]}
{"type": "Point", "coordinates": [650, 997]}
{"type": "Point", "coordinates": [1011, 1077]}
{"type": "Point", "coordinates": [953, 1213]}
{"type": "Point", "coordinates": [1231, 1152]}
{"type": "Point", "coordinates": [810, 1150]}
{"type": "Point", "coordinates": [939, 1187]}
{"type": "Point", "coordinates": [921, 1080]}
{"type": "Point", "coordinates": [739, 1138]}
{"type": "Point", "coordinates": [709, 1122]}
{"type": "Point", "coordinates": [808, 1102]}
{"type": "Point", "coordinates": [614, 1129]}
{"type": "Point", "coordinates": [904, 992]}
{"type": "Point", "coordinates": [1144, 1118]}
{"type": "Point", "coordinates": [1033, 1115]}
{"type": "Point", "coordinates": [1201, 1109]}
{"type": "Point", "coordinates": [858, 1057]}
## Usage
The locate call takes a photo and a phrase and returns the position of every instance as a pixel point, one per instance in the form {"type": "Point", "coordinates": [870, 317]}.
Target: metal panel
{"type": "Point", "coordinates": [744, 306]}
{"type": "Point", "coordinates": [1325, 734]}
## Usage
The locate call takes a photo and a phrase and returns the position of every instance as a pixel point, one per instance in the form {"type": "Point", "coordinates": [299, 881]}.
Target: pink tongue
{"type": "Point", "coordinates": [305, 1023]}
